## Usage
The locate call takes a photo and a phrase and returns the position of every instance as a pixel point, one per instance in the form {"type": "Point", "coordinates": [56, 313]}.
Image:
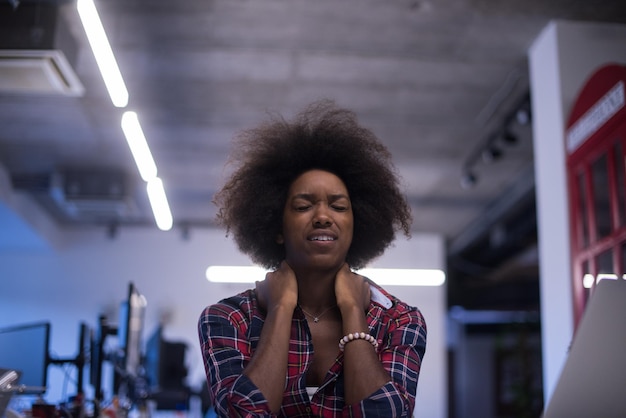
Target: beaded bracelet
{"type": "Point", "coordinates": [357, 336]}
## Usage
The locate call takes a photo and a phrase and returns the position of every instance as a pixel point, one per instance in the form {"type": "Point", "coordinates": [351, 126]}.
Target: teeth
{"type": "Point", "coordinates": [323, 238]}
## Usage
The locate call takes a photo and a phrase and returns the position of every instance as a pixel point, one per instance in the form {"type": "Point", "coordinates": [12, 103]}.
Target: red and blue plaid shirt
{"type": "Point", "coordinates": [229, 333]}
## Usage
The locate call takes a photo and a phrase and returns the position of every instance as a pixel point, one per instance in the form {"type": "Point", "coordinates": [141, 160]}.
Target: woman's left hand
{"type": "Point", "coordinates": [351, 289]}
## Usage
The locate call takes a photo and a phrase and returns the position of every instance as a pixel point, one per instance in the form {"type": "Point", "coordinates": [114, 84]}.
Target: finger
{"type": "Point", "coordinates": [260, 293]}
{"type": "Point", "coordinates": [368, 295]}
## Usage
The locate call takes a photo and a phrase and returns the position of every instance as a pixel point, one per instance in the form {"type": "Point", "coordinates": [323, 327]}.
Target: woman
{"type": "Point", "coordinates": [311, 200]}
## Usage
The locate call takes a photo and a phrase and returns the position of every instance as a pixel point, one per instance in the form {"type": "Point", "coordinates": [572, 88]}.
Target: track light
{"type": "Point", "coordinates": [509, 138]}
{"type": "Point", "coordinates": [493, 146]}
{"type": "Point", "coordinates": [468, 180]}
{"type": "Point", "coordinates": [522, 116]}
{"type": "Point", "coordinates": [490, 154]}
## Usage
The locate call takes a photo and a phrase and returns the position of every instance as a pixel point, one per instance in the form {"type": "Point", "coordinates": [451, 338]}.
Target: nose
{"type": "Point", "coordinates": [321, 217]}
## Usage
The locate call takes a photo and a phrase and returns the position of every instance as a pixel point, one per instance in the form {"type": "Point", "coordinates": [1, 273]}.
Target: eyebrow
{"type": "Point", "coordinates": [311, 196]}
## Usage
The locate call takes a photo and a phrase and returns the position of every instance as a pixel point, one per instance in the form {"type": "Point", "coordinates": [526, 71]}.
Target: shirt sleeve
{"type": "Point", "coordinates": [401, 355]}
{"type": "Point", "coordinates": [226, 350]}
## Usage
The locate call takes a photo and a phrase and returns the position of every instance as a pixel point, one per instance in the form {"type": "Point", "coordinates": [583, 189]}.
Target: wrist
{"type": "Point", "coordinates": [357, 336]}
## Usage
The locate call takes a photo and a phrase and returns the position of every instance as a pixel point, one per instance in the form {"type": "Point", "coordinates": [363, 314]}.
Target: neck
{"type": "Point", "coordinates": [316, 292]}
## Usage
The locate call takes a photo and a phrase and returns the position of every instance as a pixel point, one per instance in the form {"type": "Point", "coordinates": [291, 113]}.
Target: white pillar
{"type": "Point", "coordinates": [561, 60]}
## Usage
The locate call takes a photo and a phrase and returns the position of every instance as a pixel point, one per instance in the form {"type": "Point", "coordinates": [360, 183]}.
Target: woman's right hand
{"type": "Point", "coordinates": [277, 295]}
{"type": "Point", "coordinates": [279, 288]}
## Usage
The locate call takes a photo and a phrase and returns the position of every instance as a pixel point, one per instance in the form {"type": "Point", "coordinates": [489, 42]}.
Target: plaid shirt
{"type": "Point", "coordinates": [229, 333]}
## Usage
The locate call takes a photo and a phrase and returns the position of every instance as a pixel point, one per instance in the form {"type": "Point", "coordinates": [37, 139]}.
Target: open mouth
{"type": "Point", "coordinates": [322, 238]}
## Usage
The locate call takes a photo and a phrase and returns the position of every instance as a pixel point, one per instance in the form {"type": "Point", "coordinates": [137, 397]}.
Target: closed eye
{"type": "Point", "coordinates": [340, 203]}
{"type": "Point", "coordinates": [300, 204]}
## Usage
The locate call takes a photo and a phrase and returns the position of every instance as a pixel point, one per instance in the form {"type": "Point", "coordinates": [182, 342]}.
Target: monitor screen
{"type": "Point", "coordinates": [25, 348]}
{"type": "Point", "coordinates": [130, 330]}
{"type": "Point", "coordinates": [152, 360]}
{"type": "Point", "coordinates": [164, 363]}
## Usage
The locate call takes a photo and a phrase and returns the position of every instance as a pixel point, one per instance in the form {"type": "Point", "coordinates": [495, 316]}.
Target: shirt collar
{"type": "Point", "coordinates": [377, 296]}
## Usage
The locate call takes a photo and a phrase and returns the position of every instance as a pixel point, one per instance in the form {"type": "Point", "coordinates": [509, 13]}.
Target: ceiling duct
{"type": "Point", "coordinates": [86, 195]}
{"type": "Point", "coordinates": [37, 50]}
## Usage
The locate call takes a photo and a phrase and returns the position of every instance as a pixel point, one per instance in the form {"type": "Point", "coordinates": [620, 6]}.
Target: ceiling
{"type": "Point", "coordinates": [436, 80]}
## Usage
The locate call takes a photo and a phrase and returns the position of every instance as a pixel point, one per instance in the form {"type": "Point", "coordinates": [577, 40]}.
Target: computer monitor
{"type": "Point", "coordinates": [25, 348]}
{"type": "Point", "coordinates": [126, 359]}
{"type": "Point", "coordinates": [130, 330]}
{"type": "Point", "coordinates": [164, 363]}
{"type": "Point", "coordinates": [165, 369]}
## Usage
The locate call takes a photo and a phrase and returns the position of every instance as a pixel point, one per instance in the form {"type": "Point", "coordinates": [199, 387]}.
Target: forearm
{"type": "Point", "coordinates": [268, 366]}
{"type": "Point", "coordinates": [363, 371]}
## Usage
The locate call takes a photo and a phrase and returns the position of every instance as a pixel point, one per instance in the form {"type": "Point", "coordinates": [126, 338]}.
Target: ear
{"type": "Point", "coordinates": [280, 239]}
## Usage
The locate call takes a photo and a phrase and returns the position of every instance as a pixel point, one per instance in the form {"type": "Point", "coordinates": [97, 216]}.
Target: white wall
{"type": "Point", "coordinates": [561, 59]}
{"type": "Point", "coordinates": [88, 275]}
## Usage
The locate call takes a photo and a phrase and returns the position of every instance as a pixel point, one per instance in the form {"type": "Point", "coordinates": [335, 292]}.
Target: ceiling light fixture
{"type": "Point", "coordinates": [468, 180]}
{"type": "Point", "coordinates": [509, 138]}
{"type": "Point", "coordinates": [491, 154]}
{"type": "Point", "coordinates": [138, 146]}
{"type": "Point", "coordinates": [102, 51]}
{"type": "Point", "coordinates": [235, 274]}
{"type": "Point", "coordinates": [405, 277]}
{"type": "Point", "coordinates": [383, 277]}
{"type": "Point", "coordinates": [147, 169]}
{"type": "Point", "coordinates": [159, 204]}
{"type": "Point", "coordinates": [130, 122]}
{"type": "Point", "coordinates": [490, 149]}
{"type": "Point", "coordinates": [523, 116]}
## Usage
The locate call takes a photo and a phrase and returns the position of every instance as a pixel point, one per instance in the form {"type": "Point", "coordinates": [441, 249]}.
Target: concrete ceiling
{"type": "Point", "coordinates": [436, 80]}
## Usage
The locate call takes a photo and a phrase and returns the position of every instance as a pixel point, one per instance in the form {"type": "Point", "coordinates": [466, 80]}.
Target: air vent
{"type": "Point", "coordinates": [38, 72]}
{"type": "Point", "coordinates": [92, 195]}
{"type": "Point", "coordinates": [37, 49]}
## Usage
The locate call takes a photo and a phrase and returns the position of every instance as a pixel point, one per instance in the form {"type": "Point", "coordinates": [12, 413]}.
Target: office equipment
{"type": "Point", "coordinates": [164, 362]}
{"type": "Point", "coordinates": [593, 380]}
{"type": "Point", "coordinates": [25, 348]}
{"type": "Point", "coordinates": [165, 370]}
{"type": "Point", "coordinates": [8, 386]}
{"type": "Point", "coordinates": [130, 330]}
{"type": "Point", "coordinates": [80, 360]}
{"type": "Point", "coordinates": [97, 354]}
{"type": "Point", "coordinates": [126, 359]}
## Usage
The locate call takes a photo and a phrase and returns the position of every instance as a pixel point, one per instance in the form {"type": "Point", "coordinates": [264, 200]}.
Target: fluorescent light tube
{"type": "Point", "coordinates": [235, 274]}
{"type": "Point", "coordinates": [160, 207]}
{"type": "Point", "coordinates": [405, 277]}
{"type": "Point", "coordinates": [383, 277]}
{"type": "Point", "coordinates": [138, 146]}
{"type": "Point", "coordinates": [102, 52]}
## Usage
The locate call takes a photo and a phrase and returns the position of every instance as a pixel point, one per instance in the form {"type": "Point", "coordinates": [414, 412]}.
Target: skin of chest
{"type": "Point", "coordinates": [326, 334]}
